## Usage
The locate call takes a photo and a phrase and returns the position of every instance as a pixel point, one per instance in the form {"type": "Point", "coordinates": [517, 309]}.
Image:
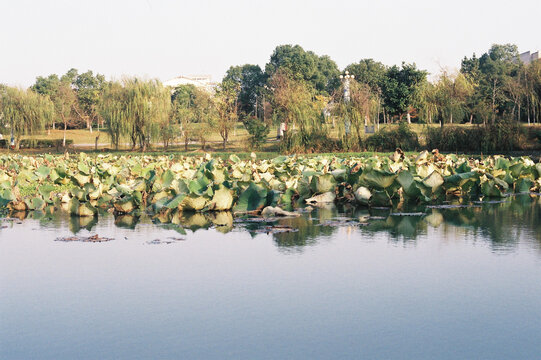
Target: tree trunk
{"type": "Point", "coordinates": [408, 116]}
{"type": "Point", "coordinates": [451, 118]}
{"type": "Point", "coordinates": [493, 102]}
{"type": "Point", "coordinates": [64, 137]}
{"type": "Point", "coordinates": [96, 142]}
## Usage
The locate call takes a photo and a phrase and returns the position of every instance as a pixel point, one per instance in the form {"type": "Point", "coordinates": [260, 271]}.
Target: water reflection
{"type": "Point", "coordinates": [503, 223]}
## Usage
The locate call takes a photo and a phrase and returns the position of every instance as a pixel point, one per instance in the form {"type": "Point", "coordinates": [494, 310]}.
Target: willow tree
{"type": "Point", "coordinates": [113, 110]}
{"type": "Point", "coordinates": [135, 108]}
{"type": "Point", "coordinates": [361, 106]}
{"type": "Point", "coordinates": [25, 112]}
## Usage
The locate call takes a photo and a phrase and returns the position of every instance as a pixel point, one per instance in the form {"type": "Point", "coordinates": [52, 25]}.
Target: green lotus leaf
{"type": "Point", "coordinates": [175, 202]}
{"type": "Point", "coordinates": [81, 179]}
{"type": "Point", "coordinates": [458, 180]}
{"type": "Point", "coordinates": [252, 198]}
{"type": "Point", "coordinates": [234, 158]}
{"type": "Point", "coordinates": [538, 170]}
{"type": "Point", "coordinates": [79, 194]}
{"type": "Point", "coordinates": [378, 179]}
{"type": "Point", "coordinates": [83, 168]}
{"type": "Point", "coordinates": [279, 160]}
{"type": "Point", "coordinates": [222, 199]}
{"type": "Point", "coordinates": [199, 186]}
{"type": "Point", "coordinates": [85, 209]}
{"type": "Point", "coordinates": [523, 185]}
{"type": "Point", "coordinates": [323, 183]}
{"type": "Point", "coordinates": [194, 202]}
{"type": "Point", "coordinates": [409, 185]}
{"type": "Point", "coordinates": [125, 205]}
{"type": "Point", "coordinates": [43, 171]}
{"type": "Point", "coordinates": [46, 190]}
{"type": "Point", "coordinates": [380, 198]}
{"type": "Point", "coordinates": [434, 181]}
{"type": "Point", "coordinates": [501, 164]}
{"type": "Point", "coordinates": [287, 197]}
{"type": "Point", "coordinates": [492, 189]}
{"type": "Point", "coordinates": [167, 178]}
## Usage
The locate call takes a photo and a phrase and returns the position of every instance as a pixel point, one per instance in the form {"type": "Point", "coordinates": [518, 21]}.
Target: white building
{"type": "Point", "coordinates": [527, 57]}
{"type": "Point", "coordinates": [200, 81]}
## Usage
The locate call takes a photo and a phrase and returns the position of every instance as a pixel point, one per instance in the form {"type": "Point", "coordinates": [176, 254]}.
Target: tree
{"type": "Point", "coordinates": [371, 73]}
{"type": "Point", "coordinates": [225, 103]}
{"type": "Point", "coordinates": [401, 89]}
{"type": "Point", "coordinates": [204, 115]}
{"type": "Point", "coordinates": [89, 89]}
{"type": "Point", "coordinates": [112, 108]}
{"type": "Point", "coordinates": [496, 67]}
{"type": "Point", "coordinates": [357, 110]}
{"type": "Point", "coordinates": [135, 108]}
{"type": "Point", "coordinates": [320, 72]}
{"type": "Point", "coordinates": [183, 110]}
{"type": "Point", "coordinates": [250, 79]}
{"type": "Point", "coordinates": [47, 86]}
{"type": "Point", "coordinates": [452, 92]}
{"type": "Point", "coordinates": [65, 104]}
{"type": "Point", "coordinates": [24, 112]}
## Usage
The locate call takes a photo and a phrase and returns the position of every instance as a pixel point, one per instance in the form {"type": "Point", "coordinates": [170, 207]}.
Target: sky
{"type": "Point", "coordinates": [164, 39]}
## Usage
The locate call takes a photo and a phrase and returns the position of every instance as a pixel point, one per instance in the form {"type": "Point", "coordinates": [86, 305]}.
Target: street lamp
{"type": "Point", "coordinates": [345, 80]}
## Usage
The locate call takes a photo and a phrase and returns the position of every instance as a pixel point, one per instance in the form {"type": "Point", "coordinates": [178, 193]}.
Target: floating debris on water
{"type": "Point", "coordinates": [407, 214]}
{"type": "Point", "coordinates": [275, 229]}
{"type": "Point", "coordinates": [93, 238]}
{"type": "Point", "coordinates": [452, 206]}
{"type": "Point", "coordinates": [169, 240]}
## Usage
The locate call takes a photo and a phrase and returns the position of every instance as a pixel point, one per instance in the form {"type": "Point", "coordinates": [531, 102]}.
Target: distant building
{"type": "Point", "coordinates": [527, 57]}
{"type": "Point", "coordinates": [200, 81]}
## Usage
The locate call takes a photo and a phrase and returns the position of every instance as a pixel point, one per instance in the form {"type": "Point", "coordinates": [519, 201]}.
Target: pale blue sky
{"type": "Point", "coordinates": [162, 39]}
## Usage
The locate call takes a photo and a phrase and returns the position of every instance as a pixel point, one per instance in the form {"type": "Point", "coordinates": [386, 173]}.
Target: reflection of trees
{"type": "Point", "coordinates": [504, 224]}
{"type": "Point", "coordinates": [309, 229]}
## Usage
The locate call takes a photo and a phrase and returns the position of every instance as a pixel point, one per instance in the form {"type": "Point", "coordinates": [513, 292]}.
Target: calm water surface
{"type": "Point", "coordinates": [449, 283]}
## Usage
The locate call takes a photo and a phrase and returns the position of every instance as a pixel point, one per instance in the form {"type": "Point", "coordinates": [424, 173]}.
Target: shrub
{"type": "Point", "coordinates": [38, 143]}
{"type": "Point", "coordinates": [311, 142]}
{"type": "Point", "coordinates": [504, 135]}
{"type": "Point", "coordinates": [388, 140]}
{"type": "Point", "coordinates": [258, 131]}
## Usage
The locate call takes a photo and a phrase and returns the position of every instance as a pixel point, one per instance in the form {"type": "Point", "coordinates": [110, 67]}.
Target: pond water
{"type": "Point", "coordinates": [451, 282]}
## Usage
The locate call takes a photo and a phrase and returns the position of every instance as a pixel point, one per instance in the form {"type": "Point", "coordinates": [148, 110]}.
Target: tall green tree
{"type": "Point", "coordinates": [89, 88]}
{"type": "Point", "coordinates": [321, 72]}
{"type": "Point", "coordinates": [497, 67]}
{"type": "Point", "coordinates": [402, 89]}
{"type": "Point", "coordinates": [250, 79]}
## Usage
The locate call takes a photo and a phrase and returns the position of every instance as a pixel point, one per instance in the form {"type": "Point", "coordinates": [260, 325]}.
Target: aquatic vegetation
{"type": "Point", "coordinates": [165, 187]}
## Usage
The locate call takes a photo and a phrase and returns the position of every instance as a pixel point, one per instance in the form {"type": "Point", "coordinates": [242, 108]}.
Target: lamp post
{"type": "Point", "coordinates": [345, 80]}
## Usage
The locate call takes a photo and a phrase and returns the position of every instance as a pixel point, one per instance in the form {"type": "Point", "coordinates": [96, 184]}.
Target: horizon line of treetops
{"type": "Point", "coordinates": [297, 87]}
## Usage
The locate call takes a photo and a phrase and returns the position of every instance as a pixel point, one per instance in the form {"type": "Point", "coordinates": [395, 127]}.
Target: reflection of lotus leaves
{"type": "Point", "coordinates": [194, 221]}
{"type": "Point", "coordinates": [126, 221]}
{"type": "Point", "coordinates": [435, 219]}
